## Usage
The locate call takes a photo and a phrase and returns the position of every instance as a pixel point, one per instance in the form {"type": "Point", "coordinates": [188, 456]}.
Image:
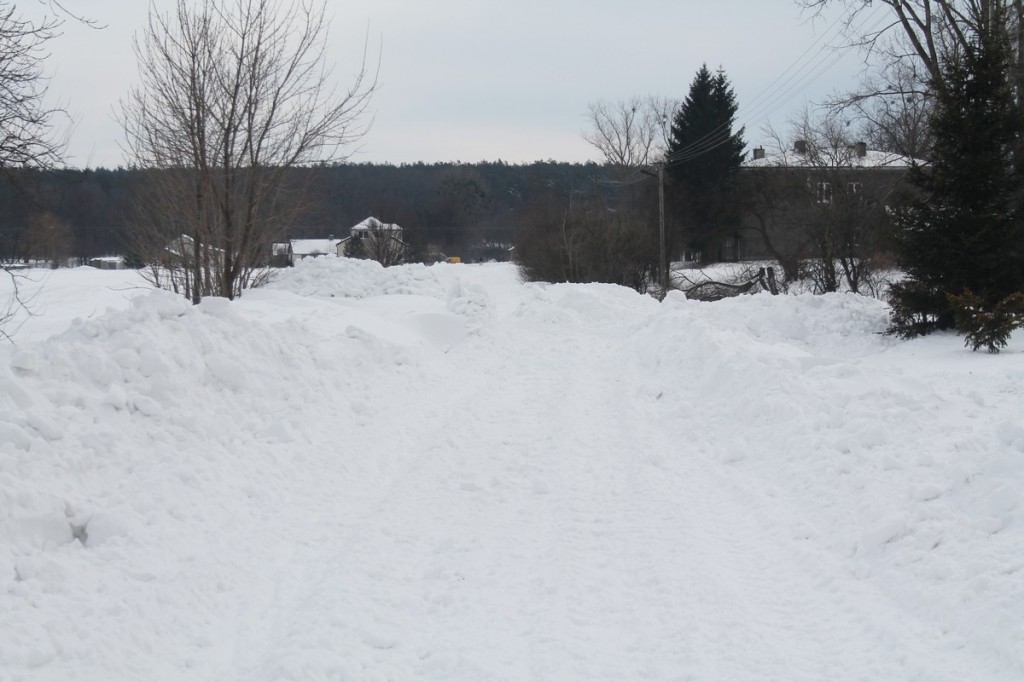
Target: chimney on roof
{"type": "Point", "coordinates": [758, 153]}
{"type": "Point", "coordinates": [800, 146]}
{"type": "Point", "coordinates": [860, 149]}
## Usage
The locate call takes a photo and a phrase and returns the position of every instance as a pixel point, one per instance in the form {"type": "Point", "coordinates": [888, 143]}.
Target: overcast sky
{"type": "Point", "coordinates": [475, 80]}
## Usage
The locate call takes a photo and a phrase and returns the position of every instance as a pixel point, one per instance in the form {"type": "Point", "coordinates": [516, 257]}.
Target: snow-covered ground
{"type": "Point", "coordinates": [445, 474]}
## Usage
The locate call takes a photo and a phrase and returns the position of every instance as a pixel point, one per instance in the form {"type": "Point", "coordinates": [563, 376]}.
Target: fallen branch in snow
{"type": "Point", "coordinates": [712, 290]}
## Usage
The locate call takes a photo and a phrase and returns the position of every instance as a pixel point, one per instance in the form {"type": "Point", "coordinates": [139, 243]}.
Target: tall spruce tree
{"type": "Point", "coordinates": [703, 158]}
{"type": "Point", "coordinates": [964, 232]}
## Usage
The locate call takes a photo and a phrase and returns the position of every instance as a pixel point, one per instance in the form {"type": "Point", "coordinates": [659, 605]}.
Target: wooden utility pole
{"type": "Point", "coordinates": [663, 262]}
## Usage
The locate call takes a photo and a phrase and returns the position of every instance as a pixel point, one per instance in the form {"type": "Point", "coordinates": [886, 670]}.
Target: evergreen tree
{"type": "Point", "coordinates": [964, 232]}
{"type": "Point", "coordinates": [703, 158]}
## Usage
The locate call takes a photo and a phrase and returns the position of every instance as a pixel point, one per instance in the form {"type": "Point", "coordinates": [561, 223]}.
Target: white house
{"type": "Point", "coordinates": [367, 233]}
{"type": "Point", "coordinates": [311, 248]}
{"type": "Point", "coordinates": [107, 262]}
{"type": "Point", "coordinates": [372, 229]}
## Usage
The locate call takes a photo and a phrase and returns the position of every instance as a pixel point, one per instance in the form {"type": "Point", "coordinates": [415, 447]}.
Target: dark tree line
{"type": "Point", "coordinates": [88, 207]}
{"type": "Point", "coordinates": [456, 208]}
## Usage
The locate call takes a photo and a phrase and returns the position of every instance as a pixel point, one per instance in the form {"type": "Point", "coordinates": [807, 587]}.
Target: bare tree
{"type": "Point", "coordinates": [630, 133]}
{"type": "Point", "coordinates": [233, 95]}
{"type": "Point", "coordinates": [581, 240]}
{"type": "Point", "coordinates": [775, 200]}
{"type": "Point", "coordinates": [820, 204]}
{"type": "Point", "coordinates": [896, 117]}
{"type": "Point", "coordinates": [49, 239]}
{"type": "Point", "coordinates": [28, 135]}
{"type": "Point", "coordinates": [381, 242]}
{"type": "Point", "coordinates": [911, 44]}
{"type": "Point", "coordinates": [928, 30]}
{"type": "Point", "coordinates": [9, 308]}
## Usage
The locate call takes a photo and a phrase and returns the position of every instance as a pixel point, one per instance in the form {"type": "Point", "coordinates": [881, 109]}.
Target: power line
{"type": "Point", "coordinates": [776, 94]}
{"type": "Point", "coordinates": [631, 179]}
{"type": "Point", "coordinates": [796, 78]}
{"type": "Point", "coordinates": [770, 86]}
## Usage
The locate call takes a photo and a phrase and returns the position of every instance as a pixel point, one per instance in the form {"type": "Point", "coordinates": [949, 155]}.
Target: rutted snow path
{"type": "Point", "coordinates": [478, 480]}
{"type": "Point", "coordinates": [537, 523]}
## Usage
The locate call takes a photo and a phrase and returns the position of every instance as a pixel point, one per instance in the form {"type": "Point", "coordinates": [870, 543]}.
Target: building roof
{"type": "Point", "coordinates": [828, 158]}
{"type": "Point", "coordinates": [314, 247]}
{"type": "Point", "coordinates": [183, 246]}
{"type": "Point", "coordinates": [372, 223]}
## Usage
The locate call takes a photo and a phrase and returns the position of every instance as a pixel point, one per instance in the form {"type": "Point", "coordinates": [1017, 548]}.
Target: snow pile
{"type": "Point", "coordinates": [138, 446]}
{"type": "Point", "coordinates": [355, 278]}
{"type": "Point", "coordinates": [54, 297]}
{"type": "Point", "coordinates": [444, 474]}
{"type": "Point", "coordinates": [904, 461]}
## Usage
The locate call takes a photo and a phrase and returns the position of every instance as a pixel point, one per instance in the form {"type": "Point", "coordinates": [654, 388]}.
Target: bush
{"type": "Point", "coordinates": [988, 328]}
{"type": "Point", "coordinates": [964, 232]}
{"type": "Point", "coordinates": [917, 309]}
{"type": "Point", "coordinates": [587, 244]}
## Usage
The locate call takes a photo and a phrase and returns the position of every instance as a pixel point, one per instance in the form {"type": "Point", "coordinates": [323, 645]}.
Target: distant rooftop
{"type": "Point", "coordinates": [372, 223]}
{"type": "Point", "coordinates": [854, 156]}
{"type": "Point", "coordinates": [314, 247]}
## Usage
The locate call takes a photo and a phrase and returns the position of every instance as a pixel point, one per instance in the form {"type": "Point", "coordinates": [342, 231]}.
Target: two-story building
{"type": "Point", "coordinates": [813, 201]}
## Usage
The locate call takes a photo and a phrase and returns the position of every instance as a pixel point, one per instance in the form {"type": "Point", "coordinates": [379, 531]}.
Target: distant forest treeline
{"type": "Point", "coordinates": [452, 207]}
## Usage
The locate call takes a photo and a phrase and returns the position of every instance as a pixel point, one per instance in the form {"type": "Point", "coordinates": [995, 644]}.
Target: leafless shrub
{"type": "Point", "coordinates": [233, 95]}
{"type": "Point", "coordinates": [587, 243]}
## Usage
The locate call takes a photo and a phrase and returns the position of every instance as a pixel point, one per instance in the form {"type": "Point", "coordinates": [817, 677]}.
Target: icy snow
{"type": "Point", "coordinates": [441, 473]}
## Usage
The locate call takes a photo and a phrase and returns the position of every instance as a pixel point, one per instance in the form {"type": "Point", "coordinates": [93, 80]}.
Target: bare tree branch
{"type": "Point", "coordinates": [27, 130]}
{"type": "Point", "coordinates": [235, 94]}
{"type": "Point", "coordinates": [630, 133]}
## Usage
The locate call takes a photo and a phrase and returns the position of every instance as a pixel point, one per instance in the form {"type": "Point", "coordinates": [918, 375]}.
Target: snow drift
{"type": "Point", "coordinates": [442, 473]}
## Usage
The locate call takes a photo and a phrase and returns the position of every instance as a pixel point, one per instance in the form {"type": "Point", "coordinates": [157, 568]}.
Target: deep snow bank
{"type": "Point", "coordinates": [904, 460]}
{"type": "Point", "coordinates": [321, 480]}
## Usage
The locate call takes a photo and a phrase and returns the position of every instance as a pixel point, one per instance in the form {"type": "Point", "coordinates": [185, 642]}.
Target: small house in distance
{"type": "Point", "coordinates": [311, 248]}
{"type": "Point", "coordinates": [375, 240]}
{"type": "Point", "coordinates": [280, 254]}
{"type": "Point", "coordinates": [107, 263]}
{"type": "Point", "coordinates": [286, 254]}
{"type": "Point", "coordinates": [372, 239]}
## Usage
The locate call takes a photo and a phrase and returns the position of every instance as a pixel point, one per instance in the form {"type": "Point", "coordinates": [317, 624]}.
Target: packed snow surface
{"type": "Point", "coordinates": [442, 473]}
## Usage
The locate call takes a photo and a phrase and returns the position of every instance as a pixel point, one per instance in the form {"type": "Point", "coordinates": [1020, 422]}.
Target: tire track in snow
{"type": "Point", "coordinates": [567, 537]}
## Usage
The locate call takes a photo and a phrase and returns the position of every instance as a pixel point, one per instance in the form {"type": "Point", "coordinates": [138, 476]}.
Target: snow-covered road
{"type": "Point", "coordinates": [442, 474]}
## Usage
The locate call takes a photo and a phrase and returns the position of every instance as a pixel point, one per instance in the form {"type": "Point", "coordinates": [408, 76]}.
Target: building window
{"type": "Point", "coordinates": [824, 192]}
{"type": "Point", "coordinates": [854, 188]}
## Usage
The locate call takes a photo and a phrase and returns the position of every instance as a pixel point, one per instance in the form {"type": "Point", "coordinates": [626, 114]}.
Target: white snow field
{"type": "Point", "coordinates": [441, 473]}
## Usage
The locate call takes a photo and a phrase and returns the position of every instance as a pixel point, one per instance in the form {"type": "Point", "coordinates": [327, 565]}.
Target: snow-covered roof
{"type": "Point", "coordinates": [830, 159]}
{"type": "Point", "coordinates": [313, 247]}
{"type": "Point", "coordinates": [183, 246]}
{"type": "Point", "coordinates": [372, 223]}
